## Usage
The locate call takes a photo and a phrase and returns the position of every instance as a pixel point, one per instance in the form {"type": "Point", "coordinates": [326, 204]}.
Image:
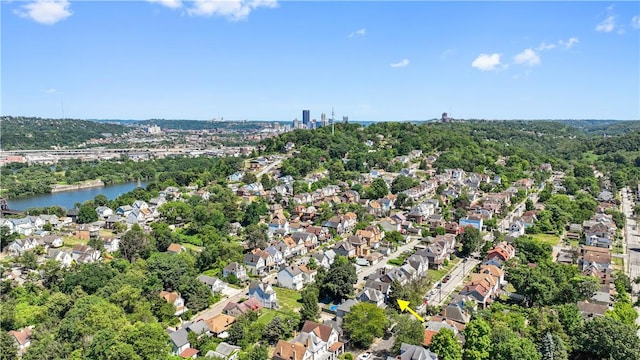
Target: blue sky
{"type": "Point", "coordinates": [268, 60]}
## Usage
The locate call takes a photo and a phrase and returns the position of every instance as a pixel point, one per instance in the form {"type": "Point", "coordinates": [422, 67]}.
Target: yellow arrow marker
{"type": "Point", "coordinates": [404, 305]}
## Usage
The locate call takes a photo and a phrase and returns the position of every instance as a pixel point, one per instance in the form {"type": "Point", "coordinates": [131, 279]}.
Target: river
{"type": "Point", "coordinates": [67, 199]}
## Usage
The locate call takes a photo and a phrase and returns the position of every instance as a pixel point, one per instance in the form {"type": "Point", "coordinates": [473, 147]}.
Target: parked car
{"type": "Point", "coordinates": [446, 278]}
{"type": "Point", "coordinates": [364, 356]}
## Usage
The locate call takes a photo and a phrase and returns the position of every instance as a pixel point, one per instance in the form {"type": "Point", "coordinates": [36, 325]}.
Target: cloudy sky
{"type": "Point", "coordinates": [268, 60]}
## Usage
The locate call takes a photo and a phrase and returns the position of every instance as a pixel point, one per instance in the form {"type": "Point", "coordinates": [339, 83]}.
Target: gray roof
{"type": "Point", "coordinates": [346, 305]}
{"type": "Point", "coordinates": [198, 327]}
{"type": "Point", "coordinates": [414, 352]}
{"type": "Point", "coordinates": [179, 337]}
{"type": "Point", "coordinates": [226, 349]}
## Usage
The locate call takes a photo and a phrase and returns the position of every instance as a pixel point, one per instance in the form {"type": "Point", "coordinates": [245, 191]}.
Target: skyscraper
{"type": "Point", "coordinates": [306, 119]}
{"type": "Point", "coordinates": [295, 123]}
{"type": "Point", "coordinates": [345, 119]}
{"type": "Point", "coordinates": [323, 119]}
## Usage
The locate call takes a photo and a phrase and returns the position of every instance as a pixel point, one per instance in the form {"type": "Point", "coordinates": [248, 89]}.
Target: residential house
{"type": "Point", "coordinates": [264, 293]}
{"type": "Point", "coordinates": [360, 245]}
{"type": "Point", "coordinates": [175, 248]}
{"type": "Point", "coordinates": [53, 220]}
{"type": "Point", "coordinates": [419, 263]}
{"type": "Point", "coordinates": [276, 255]}
{"type": "Point", "coordinates": [179, 341]}
{"type": "Point", "coordinates": [124, 210]}
{"type": "Point", "coordinates": [236, 270]}
{"type": "Point", "coordinates": [219, 324]}
{"type": "Point", "coordinates": [415, 352]}
{"type": "Point", "coordinates": [291, 277]}
{"type": "Point", "coordinates": [216, 285]}
{"type": "Point", "coordinates": [322, 233]}
{"type": "Point", "coordinates": [342, 223]}
{"type": "Point", "coordinates": [436, 255]}
{"type": "Point", "coordinates": [62, 256]}
{"type": "Point", "coordinates": [501, 252]}
{"type": "Point", "coordinates": [224, 351]}
{"type": "Point", "coordinates": [308, 275]}
{"type": "Point", "coordinates": [324, 258]}
{"type": "Point", "coordinates": [104, 212]}
{"type": "Point", "coordinates": [421, 212]}
{"type": "Point", "coordinates": [516, 228]}
{"type": "Point", "coordinates": [22, 339]}
{"type": "Point", "coordinates": [373, 296]}
{"type": "Point", "coordinates": [309, 240]}
{"type": "Point", "coordinates": [374, 208]}
{"type": "Point", "coordinates": [480, 289]}
{"type": "Point", "coordinates": [255, 262]}
{"type": "Point", "coordinates": [111, 245]}
{"type": "Point", "coordinates": [50, 241]}
{"type": "Point", "coordinates": [85, 253]}
{"type": "Point", "coordinates": [19, 246]}
{"type": "Point", "coordinates": [590, 310]}
{"type": "Point", "coordinates": [238, 309]}
{"type": "Point", "coordinates": [279, 224]}
{"type": "Point", "coordinates": [473, 221]}
{"type": "Point", "coordinates": [452, 227]}
{"type": "Point", "coordinates": [176, 300]}
{"type": "Point", "coordinates": [285, 350]}
{"type": "Point", "coordinates": [344, 248]}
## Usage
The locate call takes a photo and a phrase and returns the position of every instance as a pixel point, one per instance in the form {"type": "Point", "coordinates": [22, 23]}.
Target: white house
{"type": "Point", "coordinates": [176, 300]}
{"type": "Point", "coordinates": [291, 277]}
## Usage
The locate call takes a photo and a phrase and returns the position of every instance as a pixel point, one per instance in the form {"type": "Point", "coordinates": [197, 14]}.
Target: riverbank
{"type": "Point", "coordinates": [85, 185]}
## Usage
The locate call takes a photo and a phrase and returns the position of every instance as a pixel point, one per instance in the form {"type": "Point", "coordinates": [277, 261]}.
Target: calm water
{"type": "Point", "coordinates": [66, 199]}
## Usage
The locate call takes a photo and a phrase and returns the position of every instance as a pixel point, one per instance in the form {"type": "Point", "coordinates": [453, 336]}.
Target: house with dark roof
{"type": "Point", "coordinates": [235, 269]}
{"type": "Point", "coordinates": [415, 352]}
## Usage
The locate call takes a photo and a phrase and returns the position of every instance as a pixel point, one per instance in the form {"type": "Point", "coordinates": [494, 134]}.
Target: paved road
{"type": "Point", "coordinates": [268, 168]}
{"type": "Point", "coordinates": [631, 245]}
{"type": "Point", "coordinates": [458, 274]}
{"type": "Point", "coordinates": [372, 269]}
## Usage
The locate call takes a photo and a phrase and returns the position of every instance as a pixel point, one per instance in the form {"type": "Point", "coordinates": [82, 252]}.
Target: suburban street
{"type": "Point", "coordinates": [372, 269]}
{"type": "Point", "coordinates": [457, 276]}
{"type": "Point", "coordinates": [631, 246]}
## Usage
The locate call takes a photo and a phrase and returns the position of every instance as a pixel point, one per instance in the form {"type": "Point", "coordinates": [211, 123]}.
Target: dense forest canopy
{"type": "Point", "coordinates": [28, 133]}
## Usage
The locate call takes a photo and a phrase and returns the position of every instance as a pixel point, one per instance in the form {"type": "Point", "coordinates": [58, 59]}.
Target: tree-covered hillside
{"type": "Point", "coordinates": [27, 133]}
{"type": "Point", "coordinates": [472, 145]}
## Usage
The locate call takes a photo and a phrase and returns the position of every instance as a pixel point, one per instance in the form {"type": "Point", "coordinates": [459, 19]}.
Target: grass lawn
{"type": "Point", "coordinates": [267, 316]}
{"type": "Point", "coordinates": [617, 261]}
{"type": "Point", "coordinates": [192, 247]}
{"type": "Point", "coordinates": [437, 275]}
{"type": "Point", "coordinates": [552, 240]}
{"type": "Point", "coordinates": [288, 299]}
{"type": "Point", "coordinates": [510, 288]}
{"type": "Point", "coordinates": [70, 241]}
{"type": "Point", "coordinates": [105, 233]}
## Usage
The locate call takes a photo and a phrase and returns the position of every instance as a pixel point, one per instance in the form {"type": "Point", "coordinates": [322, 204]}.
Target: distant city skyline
{"type": "Point", "coordinates": [371, 61]}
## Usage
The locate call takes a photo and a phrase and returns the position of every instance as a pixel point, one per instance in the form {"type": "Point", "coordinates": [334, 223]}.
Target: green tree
{"type": "Point", "coordinates": [445, 344]}
{"type": "Point", "coordinates": [407, 330]}
{"type": "Point", "coordinates": [364, 323]}
{"type": "Point", "coordinates": [471, 240]}
{"type": "Point", "coordinates": [6, 237]}
{"type": "Point", "coordinates": [196, 294]}
{"type": "Point", "coordinates": [162, 235]}
{"type": "Point", "coordinates": [8, 349]}
{"type": "Point", "coordinates": [87, 214]}
{"type": "Point", "coordinates": [134, 244]}
{"type": "Point", "coordinates": [256, 236]}
{"type": "Point", "coordinates": [310, 308]}
{"type": "Point", "coordinates": [377, 189]}
{"type": "Point", "coordinates": [278, 328]}
{"type": "Point", "coordinates": [552, 348]}
{"type": "Point", "coordinates": [402, 183]}
{"type": "Point", "coordinates": [339, 281]}
{"type": "Point", "coordinates": [477, 335]}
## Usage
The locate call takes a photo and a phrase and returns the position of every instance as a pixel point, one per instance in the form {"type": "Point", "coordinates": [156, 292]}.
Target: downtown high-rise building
{"type": "Point", "coordinates": [345, 119]}
{"type": "Point", "coordinates": [306, 119]}
{"type": "Point", "coordinates": [323, 120]}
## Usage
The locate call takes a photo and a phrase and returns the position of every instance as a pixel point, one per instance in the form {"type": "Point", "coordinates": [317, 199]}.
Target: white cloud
{"type": "Point", "coordinates": [486, 62]}
{"type": "Point", "coordinates": [545, 46]}
{"type": "Point", "coordinates": [569, 43]}
{"type": "Point", "coordinates": [359, 32]}
{"type": "Point", "coordinates": [172, 4]}
{"type": "Point", "coordinates": [46, 12]}
{"type": "Point", "coordinates": [527, 57]}
{"type": "Point", "coordinates": [635, 22]}
{"type": "Point", "coordinates": [609, 23]}
{"type": "Point", "coordinates": [400, 64]}
{"type": "Point", "coordinates": [232, 9]}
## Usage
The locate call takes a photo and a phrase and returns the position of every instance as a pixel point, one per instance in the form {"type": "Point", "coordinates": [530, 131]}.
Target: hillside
{"type": "Point", "coordinates": [27, 133]}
